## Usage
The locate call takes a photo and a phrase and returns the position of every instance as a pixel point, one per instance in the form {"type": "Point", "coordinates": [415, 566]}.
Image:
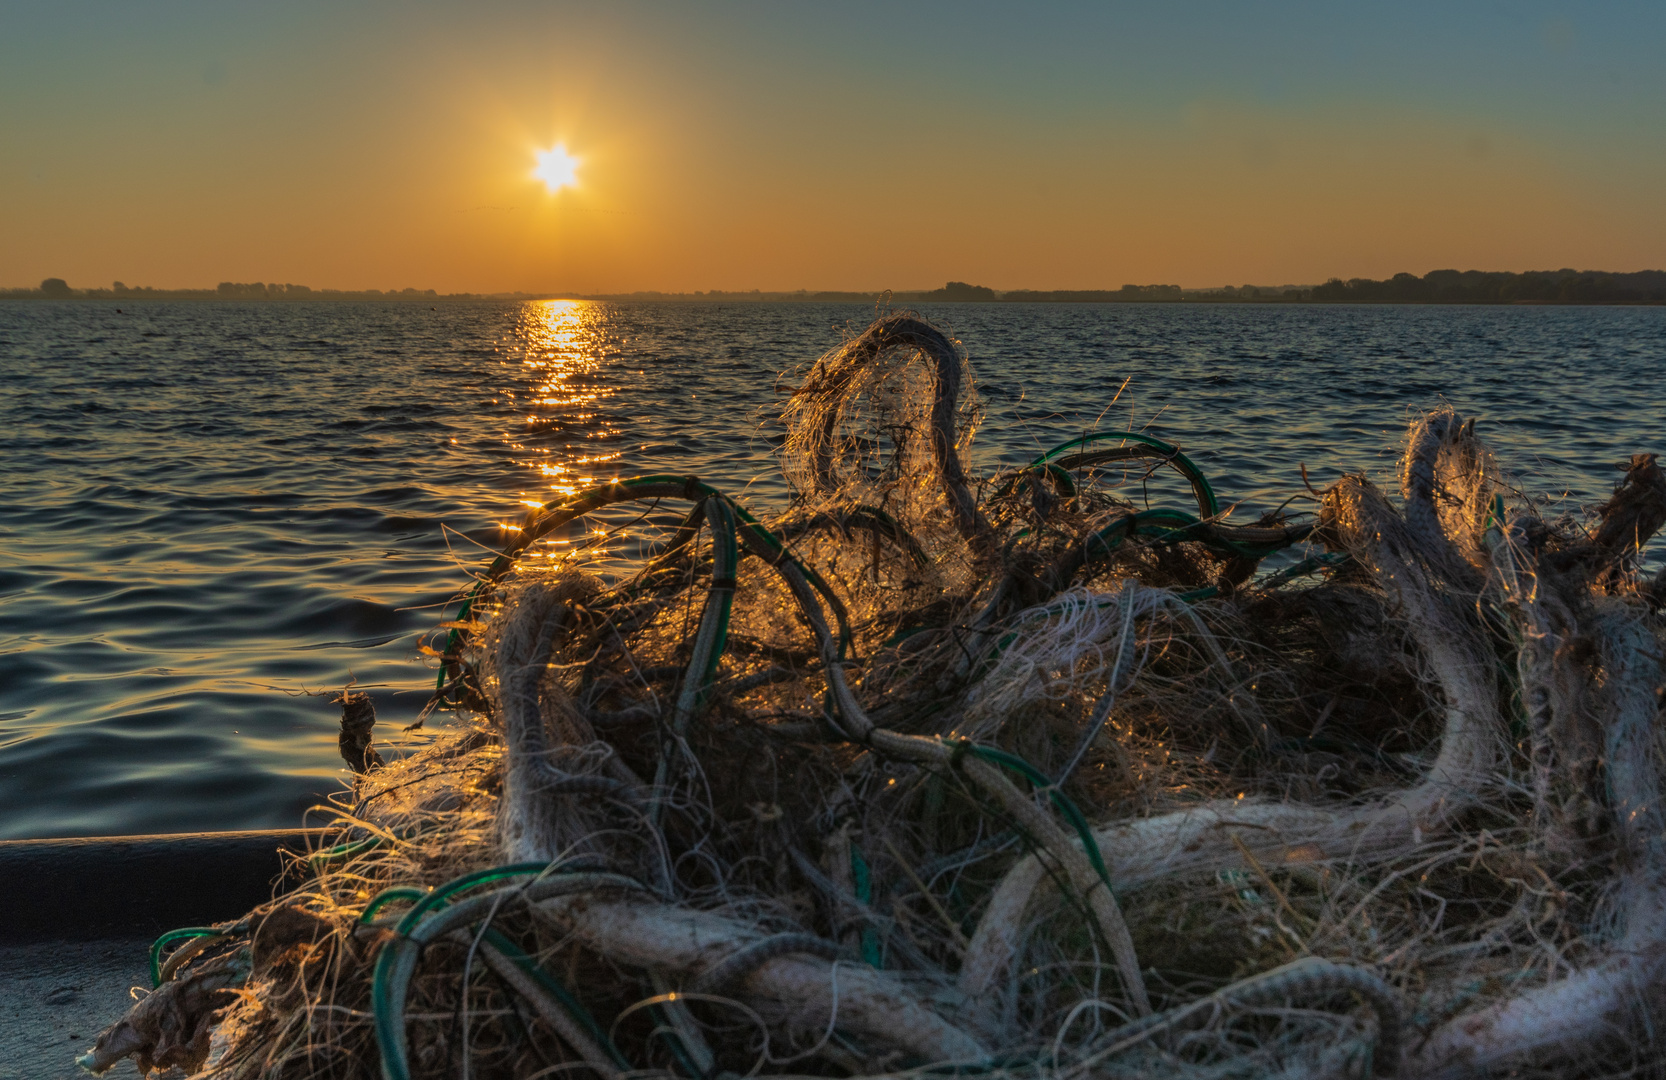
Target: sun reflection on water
{"type": "Point", "coordinates": [564, 344]}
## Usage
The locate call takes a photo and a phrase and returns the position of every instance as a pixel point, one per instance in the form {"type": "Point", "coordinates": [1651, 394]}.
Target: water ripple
{"type": "Point", "coordinates": [212, 513]}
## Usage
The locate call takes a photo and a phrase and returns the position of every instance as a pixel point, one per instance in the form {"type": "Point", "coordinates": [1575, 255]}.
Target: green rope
{"type": "Point", "coordinates": [1495, 514]}
{"type": "Point", "coordinates": [441, 896]}
{"type": "Point", "coordinates": [1173, 527]}
{"type": "Point", "coordinates": [725, 562]}
{"type": "Point", "coordinates": [184, 933]}
{"type": "Point", "coordinates": [1312, 564]}
{"type": "Point", "coordinates": [452, 639]}
{"type": "Point", "coordinates": [816, 581]}
{"type": "Point", "coordinates": [559, 992]}
{"type": "Point", "coordinates": [400, 953]}
{"type": "Point", "coordinates": [398, 958]}
{"type": "Point", "coordinates": [545, 518]}
{"type": "Point", "coordinates": [391, 896]}
{"type": "Point", "coordinates": [862, 879]}
{"type": "Point", "coordinates": [1072, 813]}
{"type": "Point", "coordinates": [871, 518]}
{"type": "Point", "coordinates": [1062, 480]}
{"type": "Point", "coordinates": [1208, 504]}
{"type": "Point", "coordinates": [345, 851]}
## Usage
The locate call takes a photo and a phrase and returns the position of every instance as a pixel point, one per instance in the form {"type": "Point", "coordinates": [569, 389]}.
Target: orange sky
{"type": "Point", "coordinates": [844, 147]}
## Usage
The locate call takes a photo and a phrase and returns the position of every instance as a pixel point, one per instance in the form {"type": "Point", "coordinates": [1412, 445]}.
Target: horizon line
{"type": "Point", "coordinates": [59, 288]}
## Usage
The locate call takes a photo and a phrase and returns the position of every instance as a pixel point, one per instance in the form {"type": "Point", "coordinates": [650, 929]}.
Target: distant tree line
{"type": "Point", "coordinates": [1490, 287]}
{"type": "Point", "coordinates": [1435, 287]}
{"type": "Point", "coordinates": [1136, 294]}
{"type": "Point", "coordinates": [59, 289]}
{"type": "Point", "coordinates": [952, 292]}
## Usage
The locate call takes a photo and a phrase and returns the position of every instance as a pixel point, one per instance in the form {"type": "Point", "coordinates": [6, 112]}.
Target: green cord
{"type": "Point", "coordinates": [816, 581]}
{"type": "Point", "coordinates": [442, 895]}
{"type": "Point", "coordinates": [1068, 808]}
{"type": "Point", "coordinates": [345, 851]}
{"type": "Point", "coordinates": [899, 535]}
{"type": "Point", "coordinates": [557, 990]}
{"type": "Point", "coordinates": [1495, 514]}
{"type": "Point", "coordinates": [389, 1018]}
{"type": "Point", "coordinates": [1062, 479]}
{"type": "Point", "coordinates": [1207, 502]}
{"type": "Point", "coordinates": [1327, 561]}
{"type": "Point", "coordinates": [862, 879]}
{"type": "Point", "coordinates": [398, 958]}
{"type": "Point", "coordinates": [390, 896]}
{"type": "Point", "coordinates": [182, 934]}
{"type": "Point", "coordinates": [725, 563]}
{"type": "Point", "coordinates": [1168, 526]}
{"type": "Point", "coordinates": [545, 518]}
{"type": "Point", "coordinates": [452, 638]}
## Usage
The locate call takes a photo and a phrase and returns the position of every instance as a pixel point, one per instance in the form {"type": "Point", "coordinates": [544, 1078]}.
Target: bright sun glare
{"type": "Point", "coordinates": [556, 168]}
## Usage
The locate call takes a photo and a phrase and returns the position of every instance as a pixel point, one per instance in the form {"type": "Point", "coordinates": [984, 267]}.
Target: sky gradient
{"type": "Point", "coordinates": [842, 146]}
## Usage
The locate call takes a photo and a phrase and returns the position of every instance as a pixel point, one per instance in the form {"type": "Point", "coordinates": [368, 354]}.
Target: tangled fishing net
{"type": "Point", "coordinates": [944, 774]}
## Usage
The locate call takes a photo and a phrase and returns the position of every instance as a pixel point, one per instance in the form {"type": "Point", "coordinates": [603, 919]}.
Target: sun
{"type": "Point", "coordinates": [556, 168]}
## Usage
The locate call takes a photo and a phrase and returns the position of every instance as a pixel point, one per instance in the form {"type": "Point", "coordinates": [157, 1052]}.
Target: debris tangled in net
{"type": "Point", "coordinates": [937, 773]}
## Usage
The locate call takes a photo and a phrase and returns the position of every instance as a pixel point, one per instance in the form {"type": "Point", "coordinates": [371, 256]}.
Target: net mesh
{"type": "Point", "coordinates": [935, 772]}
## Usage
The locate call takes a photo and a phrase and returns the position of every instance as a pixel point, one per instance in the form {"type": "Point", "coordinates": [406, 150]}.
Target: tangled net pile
{"type": "Point", "coordinates": [934, 774]}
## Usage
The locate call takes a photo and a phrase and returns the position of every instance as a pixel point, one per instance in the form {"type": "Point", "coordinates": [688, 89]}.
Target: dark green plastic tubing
{"type": "Point", "coordinates": [725, 564]}
{"type": "Point", "coordinates": [862, 878]}
{"type": "Point", "coordinates": [184, 933]}
{"type": "Point", "coordinates": [442, 895]}
{"type": "Point", "coordinates": [1208, 504]}
{"type": "Point", "coordinates": [544, 520]}
{"type": "Point", "coordinates": [1068, 808]}
{"type": "Point", "coordinates": [346, 851]}
{"type": "Point", "coordinates": [559, 992]}
{"type": "Point", "coordinates": [402, 952]}
{"type": "Point", "coordinates": [391, 896]}
{"type": "Point", "coordinates": [1061, 477]}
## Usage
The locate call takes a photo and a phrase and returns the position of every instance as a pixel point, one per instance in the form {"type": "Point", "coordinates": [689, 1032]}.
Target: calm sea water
{"type": "Point", "coordinates": [211, 514]}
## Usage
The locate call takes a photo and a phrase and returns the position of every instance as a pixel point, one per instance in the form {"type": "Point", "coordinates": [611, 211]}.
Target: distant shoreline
{"type": "Point", "coordinates": [1438, 287]}
{"type": "Point", "coordinates": [788, 298]}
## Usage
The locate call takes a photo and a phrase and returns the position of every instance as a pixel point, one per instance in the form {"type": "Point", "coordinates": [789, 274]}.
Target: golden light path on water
{"type": "Point", "coordinates": [563, 343]}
